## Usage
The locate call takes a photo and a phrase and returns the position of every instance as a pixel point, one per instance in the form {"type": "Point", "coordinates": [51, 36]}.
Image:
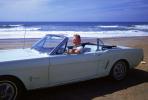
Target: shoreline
{"type": "Point", "coordinates": [88, 34]}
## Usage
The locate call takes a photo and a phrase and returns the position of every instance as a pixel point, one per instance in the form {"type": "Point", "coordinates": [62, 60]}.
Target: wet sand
{"type": "Point", "coordinates": [134, 87]}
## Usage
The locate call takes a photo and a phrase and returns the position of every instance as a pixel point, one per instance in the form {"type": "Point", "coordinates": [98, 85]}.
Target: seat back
{"type": "Point", "coordinates": [90, 48]}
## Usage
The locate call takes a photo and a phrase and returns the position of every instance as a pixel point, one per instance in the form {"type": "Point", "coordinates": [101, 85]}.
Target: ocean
{"type": "Point", "coordinates": [85, 29]}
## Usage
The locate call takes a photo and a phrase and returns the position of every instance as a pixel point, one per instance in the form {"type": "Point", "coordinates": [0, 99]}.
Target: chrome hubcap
{"type": "Point", "coordinates": [119, 70]}
{"type": "Point", "coordinates": [7, 91]}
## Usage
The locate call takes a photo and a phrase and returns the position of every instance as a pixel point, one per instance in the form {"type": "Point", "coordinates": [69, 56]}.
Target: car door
{"type": "Point", "coordinates": [72, 67]}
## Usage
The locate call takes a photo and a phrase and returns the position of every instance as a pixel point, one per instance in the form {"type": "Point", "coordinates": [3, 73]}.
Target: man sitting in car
{"type": "Point", "coordinates": [77, 48]}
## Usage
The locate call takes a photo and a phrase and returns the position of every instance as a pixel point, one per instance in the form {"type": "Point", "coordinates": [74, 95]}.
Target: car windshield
{"type": "Point", "coordinates": [48, 43]}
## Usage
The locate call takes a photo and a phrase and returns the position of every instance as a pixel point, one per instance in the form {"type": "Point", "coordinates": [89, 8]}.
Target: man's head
{"type": "Point", "coordinates": [76, 39]}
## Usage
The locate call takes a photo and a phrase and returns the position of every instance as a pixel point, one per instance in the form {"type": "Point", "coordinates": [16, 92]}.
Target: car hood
{"type": "Point", "coordinates": [20, 54]}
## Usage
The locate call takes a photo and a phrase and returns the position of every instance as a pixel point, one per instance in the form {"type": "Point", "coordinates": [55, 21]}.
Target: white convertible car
{"type": "Point", "coordinates": [46, 64]}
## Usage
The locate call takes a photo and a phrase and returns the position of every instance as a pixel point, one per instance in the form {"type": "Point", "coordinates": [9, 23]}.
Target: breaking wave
{"type": "Point", "coordinates": [141, 27]}
{"type": "Point", "coordinates": [37, 30]}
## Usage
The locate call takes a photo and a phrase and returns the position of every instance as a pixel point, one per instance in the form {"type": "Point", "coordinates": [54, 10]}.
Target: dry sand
{"type": "Point", "coordinates": [134, 87]}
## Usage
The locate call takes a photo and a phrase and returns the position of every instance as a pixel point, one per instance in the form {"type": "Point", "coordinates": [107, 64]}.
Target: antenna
{"type": "Point", "coordinates": [24, 39]}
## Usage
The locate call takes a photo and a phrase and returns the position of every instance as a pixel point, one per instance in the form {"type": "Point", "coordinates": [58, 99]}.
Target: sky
{"type": "Point", "coordinates": [74, 10]}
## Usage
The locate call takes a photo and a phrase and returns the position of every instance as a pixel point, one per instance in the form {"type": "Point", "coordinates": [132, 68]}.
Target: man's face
{"type": "Point", "coordinates": [76, 40]}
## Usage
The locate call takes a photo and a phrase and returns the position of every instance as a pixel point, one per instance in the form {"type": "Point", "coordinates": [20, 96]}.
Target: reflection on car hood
{"type": "Point", "coordinates": [20, 54]}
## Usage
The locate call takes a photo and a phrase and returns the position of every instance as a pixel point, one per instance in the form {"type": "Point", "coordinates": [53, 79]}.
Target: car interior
{"type": "Point", "coordinates": [91, 47]}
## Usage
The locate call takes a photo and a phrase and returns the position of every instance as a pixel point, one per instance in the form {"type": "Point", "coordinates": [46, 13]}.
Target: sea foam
{"type": "Point", "coordinates": [94, 31]}
{"type": "Point", "coordinates": [143, 27]}
{"type": "Point", "coordinates": [91, 34]}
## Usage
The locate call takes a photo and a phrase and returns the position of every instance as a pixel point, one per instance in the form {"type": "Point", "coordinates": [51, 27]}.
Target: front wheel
{"type": "Point", "coordinates": [9, 89]}
{"type": "Point", "coordinates": [119, 70]}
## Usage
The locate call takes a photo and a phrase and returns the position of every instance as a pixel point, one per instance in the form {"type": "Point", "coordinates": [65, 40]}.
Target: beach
{"type": "Point", "coordinates": [134, 87]}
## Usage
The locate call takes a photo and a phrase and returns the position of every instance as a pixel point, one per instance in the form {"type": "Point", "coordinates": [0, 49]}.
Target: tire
{"type": "Point", "coordinates": [10, 89]}
{"type": "Point", "coordinates": [119, 70]}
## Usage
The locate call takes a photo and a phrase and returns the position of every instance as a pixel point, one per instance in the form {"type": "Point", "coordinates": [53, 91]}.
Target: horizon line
{"type": "Point", "coordinates": [81, 21]}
